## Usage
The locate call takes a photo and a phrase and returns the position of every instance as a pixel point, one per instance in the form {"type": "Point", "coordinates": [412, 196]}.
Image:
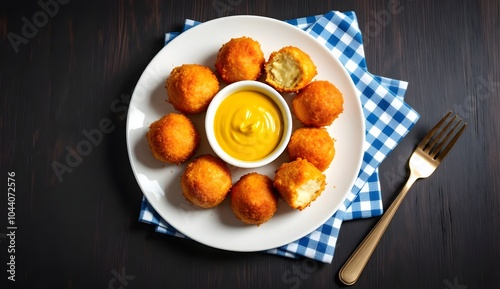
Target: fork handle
{"type": "Point", "coordinates": [350, 272]}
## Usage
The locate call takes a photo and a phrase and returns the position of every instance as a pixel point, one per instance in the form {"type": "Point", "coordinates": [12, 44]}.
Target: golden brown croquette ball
{"type": "Point", "coordinates": [173, 138]}
{"type": "Point", "coordinates": [206, 181]}
{"type": "Point", "coordinates": [289, 69]}
{"type": "Point", "coordinates": [299, 183]}
{"type": "Point", "coordinates": [318, 104]}
{"type": "Point", "coordinates": [313, 144]}
{"type": "Point", "coordinates": [191, 87]}
{"type": "Point", "coordinates": [240, 59]}
{"type": "Point", "coordinates": [253, 199]}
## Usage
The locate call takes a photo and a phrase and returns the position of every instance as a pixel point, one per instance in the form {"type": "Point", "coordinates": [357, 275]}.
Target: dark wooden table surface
{"type": "Point", "coordinates": [68, 65]}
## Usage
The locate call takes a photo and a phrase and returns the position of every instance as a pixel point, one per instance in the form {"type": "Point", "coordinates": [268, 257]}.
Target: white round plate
{"type": "Point", "coordinates": [160, 182]}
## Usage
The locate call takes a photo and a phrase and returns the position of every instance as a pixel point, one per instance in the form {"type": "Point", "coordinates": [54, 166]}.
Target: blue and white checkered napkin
{"type": "Point", "coordinates": [388, 120]}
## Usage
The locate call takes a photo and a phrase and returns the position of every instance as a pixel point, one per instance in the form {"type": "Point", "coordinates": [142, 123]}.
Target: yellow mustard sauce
{"type": "Point", "coordinates": [248, 125]}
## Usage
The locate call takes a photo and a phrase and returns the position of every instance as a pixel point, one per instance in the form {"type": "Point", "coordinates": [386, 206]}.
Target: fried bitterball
{"type": "Point", "coordinates": [191, 87]}
{"type": "Point", "coordinates": [313, 144]}
{"type": "Point", "coordinates": [206, 181]}
{"type": "Point", "coordinates": [318, 104]}
{"type": "Point", "coordinates": [253, 199]}
{"type": "Point", "coordinates": [299, 183]}
{"type": "Point", "coordinates": [173, 138]}
{"type": "Point", "coordinates": [240, 59]}
{"type": "Point", "coordinates": [289, 69]}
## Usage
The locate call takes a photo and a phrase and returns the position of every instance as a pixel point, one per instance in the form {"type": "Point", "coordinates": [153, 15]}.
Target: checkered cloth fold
{"type": "Point", "coordinates": [388, 120]}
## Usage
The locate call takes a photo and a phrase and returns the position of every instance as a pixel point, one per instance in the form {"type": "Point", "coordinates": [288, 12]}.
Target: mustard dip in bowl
{"type": "Point", "coordinates": [248, 124]}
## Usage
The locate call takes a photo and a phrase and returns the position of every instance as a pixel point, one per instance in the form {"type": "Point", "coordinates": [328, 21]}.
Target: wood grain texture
{"type": "Point", "coordinates": [80, 68]}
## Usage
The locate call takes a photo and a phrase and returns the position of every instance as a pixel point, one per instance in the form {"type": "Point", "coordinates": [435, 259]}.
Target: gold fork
{"type": "Point", "coordinates": [424, 160]}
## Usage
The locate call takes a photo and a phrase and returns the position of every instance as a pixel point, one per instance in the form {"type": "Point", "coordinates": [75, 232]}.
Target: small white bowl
{"type": "Point", "coordinates": [248, 85]}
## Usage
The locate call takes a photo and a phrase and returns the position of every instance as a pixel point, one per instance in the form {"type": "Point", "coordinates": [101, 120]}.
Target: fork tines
{"type": "Point", "coordinates": [443, 136]}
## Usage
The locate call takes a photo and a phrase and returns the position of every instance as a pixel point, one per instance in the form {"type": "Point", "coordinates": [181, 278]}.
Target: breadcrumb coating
{"type": "Point", "coordinates": [299, 183]}
{"type": "Point", "coordinates": [191, 87]}
{"type": "Point", "coordinates": [318, 104]}
{"type": "Point", "coordinates": [313, 144]}
{"type": "Point", "coordinates": [173, 138]}
{"type": "Point", "coordinates": [253, 199]}
{"type": "Point", "coordinates": [240, 59]}
{"type": "Point", "coordinates": [206, 181]}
